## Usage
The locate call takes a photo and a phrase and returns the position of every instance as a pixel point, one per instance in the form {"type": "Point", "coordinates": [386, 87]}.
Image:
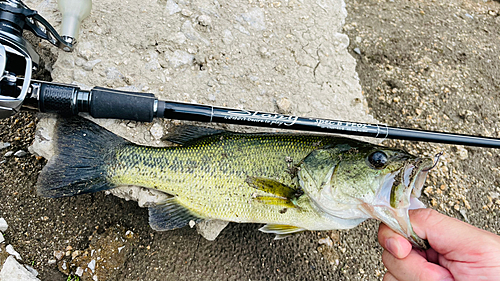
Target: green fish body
{"type": "Point", "coordinates": [290, 182]}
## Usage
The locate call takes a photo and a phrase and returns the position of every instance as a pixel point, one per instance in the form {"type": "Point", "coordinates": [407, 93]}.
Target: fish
{"type": "Point", "coordinates": [288, 181]}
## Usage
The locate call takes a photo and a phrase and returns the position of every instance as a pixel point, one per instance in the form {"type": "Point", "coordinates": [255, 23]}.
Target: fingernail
{"type": "Point", "coordinates": [392, 246]}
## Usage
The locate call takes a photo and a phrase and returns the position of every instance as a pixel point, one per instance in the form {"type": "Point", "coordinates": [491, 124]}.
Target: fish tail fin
{"type": "Point", "coordinates": [79, 166]}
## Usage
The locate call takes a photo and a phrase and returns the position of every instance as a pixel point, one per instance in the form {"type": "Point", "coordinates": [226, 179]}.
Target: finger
{"type": "Point", "coordinates": [389, 277]}
{"type": "Point", "coordinates": [396, 244]}
{"type": "Point", "coordinates": [448, 236]}
{"type": "Point", "coordinates": [414, 268]}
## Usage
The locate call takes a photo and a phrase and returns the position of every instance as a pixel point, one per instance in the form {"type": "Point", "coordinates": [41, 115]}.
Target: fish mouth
{"type": "Point", "coordinates": [399, 193]}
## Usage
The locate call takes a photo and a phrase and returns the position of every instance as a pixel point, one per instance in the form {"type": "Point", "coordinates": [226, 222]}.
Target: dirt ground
{"type": "Point", "coordinates": [422, 64]}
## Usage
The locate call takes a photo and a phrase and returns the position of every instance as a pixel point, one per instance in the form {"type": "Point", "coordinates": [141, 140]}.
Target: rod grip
{"type": "Point", "coordinates": [59, 99]}
{"type": "Point", "coordinates": [109, 103]}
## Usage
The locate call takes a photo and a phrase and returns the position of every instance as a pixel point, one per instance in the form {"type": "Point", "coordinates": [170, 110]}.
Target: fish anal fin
{"type": "Point", "coordinates": [281, 230]}
{"type": "Point", "coordinates": [185, 133]}
{"type": "Point", "coordinates": [169, 214]}
{"type": "Point", "coordinates": [274, 187]}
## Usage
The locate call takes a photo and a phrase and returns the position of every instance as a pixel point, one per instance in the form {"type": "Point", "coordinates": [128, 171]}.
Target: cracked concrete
{"type": "Point", "coordinates": [286, 57]}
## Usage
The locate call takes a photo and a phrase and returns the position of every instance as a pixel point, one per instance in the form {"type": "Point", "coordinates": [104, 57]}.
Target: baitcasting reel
{"type": "Point", "coordinates": [17, 57]}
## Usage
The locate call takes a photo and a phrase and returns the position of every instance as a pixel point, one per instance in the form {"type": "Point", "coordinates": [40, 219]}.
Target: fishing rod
{"type": "Point", "coordinates": [17, 89]}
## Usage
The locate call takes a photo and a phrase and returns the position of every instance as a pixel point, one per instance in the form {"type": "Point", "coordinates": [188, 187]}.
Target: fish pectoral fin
{"type": "Point", "coordinates": [168, 215]}
{"type": "Point", "coordinates": [274, 187]}
{"type": "Point", "coordinates": [185, 133]}
{"type": "Point", "coordinates": [281, 230]}
{"type": "Point", "coordinates": [278, 201]}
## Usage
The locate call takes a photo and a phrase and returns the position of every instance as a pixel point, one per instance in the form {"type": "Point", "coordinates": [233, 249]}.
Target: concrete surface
{"type": "Point", "coordinates": [277, 57]}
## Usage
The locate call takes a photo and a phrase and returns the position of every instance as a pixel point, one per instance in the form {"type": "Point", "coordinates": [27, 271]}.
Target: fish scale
{"type": "Point", "coordinates": [208, 177]}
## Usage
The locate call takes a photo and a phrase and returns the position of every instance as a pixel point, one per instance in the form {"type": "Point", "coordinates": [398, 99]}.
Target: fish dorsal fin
{"type": "Point", "coordinates": [274, 187]}
{"type": "Point", "coordinates": [168, 215]}
{"type": "Point", "coordinates": [185, 133]}
{"type": "Point", "coordinates": [281, 230]}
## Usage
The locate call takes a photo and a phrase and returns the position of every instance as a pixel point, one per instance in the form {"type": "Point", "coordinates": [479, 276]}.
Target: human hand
{"type": "Point", "coordinates": [459, 251]}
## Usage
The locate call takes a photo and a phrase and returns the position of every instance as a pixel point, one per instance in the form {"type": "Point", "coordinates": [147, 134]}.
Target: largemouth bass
{"type": "Point", "coordinates": [290, 182]}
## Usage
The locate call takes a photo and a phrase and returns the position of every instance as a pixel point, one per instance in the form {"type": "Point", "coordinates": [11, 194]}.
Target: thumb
{"type": "Point", "coordinates": [449, 236]}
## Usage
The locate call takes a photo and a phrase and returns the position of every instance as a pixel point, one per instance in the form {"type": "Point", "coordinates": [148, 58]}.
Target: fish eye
{"type": "Point", "coordinates": [378, 159]}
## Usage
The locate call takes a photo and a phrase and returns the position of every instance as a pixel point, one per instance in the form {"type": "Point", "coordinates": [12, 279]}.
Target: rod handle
{"type": "Point", "coordinates": [109, 103]}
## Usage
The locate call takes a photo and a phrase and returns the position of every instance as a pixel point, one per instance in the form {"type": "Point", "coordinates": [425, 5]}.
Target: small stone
{"type": "Point", "coordinates": [68, 253]}
{"type": "Point", "coordinates": [462, 153]}
{"type": "Point", "coordinates": [192, 223]}
{"type": "Point", "coordinates": [211, 97]}
{"type": "Point", "coordinates": [1, 238]}
{"type": "Point", "coordinates": [13, 252]}
{"type": "Point", "coordinates": [58, 255]}
{"type": "Point", "coordinates": [4, 145]}
{"type": "Point", "coordinates": [186, 12]}
{"type": "Point", "coordinates": [129, 234]}
{"type": "Point", "coordinates": [204, 20]}
{"type": "Point", "coordinates": [79, 271]}
{"type": "Point", "coordinates": [20, 153]}
{"type": "Point", "coordinates": [357, 51]}
{"type": "Point", "coordinates": [51, 261]}
{"type": "Point", "coordinates": [156, 131]}
{"type": "Point", "coordinates": [75, 254]}
{"type": "Point", "coordinates": [284, 105]}
{"type": "Point", "coordinates": [69, 248]}
{"type": "Point", "coordinates": [3, 225]}
{"type": "Point", "coordinates": [9, 153]}
{"type": "Point", "coordinates": [91, 265]}
{"type": "Point", "coordinates": [326, 241]}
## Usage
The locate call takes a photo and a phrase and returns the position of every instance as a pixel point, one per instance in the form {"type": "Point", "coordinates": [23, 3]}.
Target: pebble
{"type": "Point", "coordinates": [156, 131]}
{"type": "Point", "coordinates": [4, 145]}
{"type": "Point", "coordinates": [462, 153]}
{"type": "Point", "coordinates": [205, 20]}
{"type": "Point", "coordinates": [13, 252]}
{"type": "Point", "coordinates": [79, 271]}
{"type": "Point", "coordinates": [357, 51]}
{"type": "Point", "coordinates": [3, 225]}
{"type": "Point", "coordinates": [20, 153]}
{"type": "Point", "coordinates": [326, 241]}
{"type": "Point", "coordinates": [58, 255]}
{"type": "Point", "coordinates": [186, 12]}
{"type": "Point", "coordinates": [284, 105]}
{"type": "Point", "coordinates": [1, 238]}
{"type": "Point", "coordinates": [91, 265]}
{"type": "Point", "coordinates": [9, 153]}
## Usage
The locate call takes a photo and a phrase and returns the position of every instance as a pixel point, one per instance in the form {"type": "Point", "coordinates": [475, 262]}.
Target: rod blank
{"type": "Point", "coordinates": [207, 113]}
